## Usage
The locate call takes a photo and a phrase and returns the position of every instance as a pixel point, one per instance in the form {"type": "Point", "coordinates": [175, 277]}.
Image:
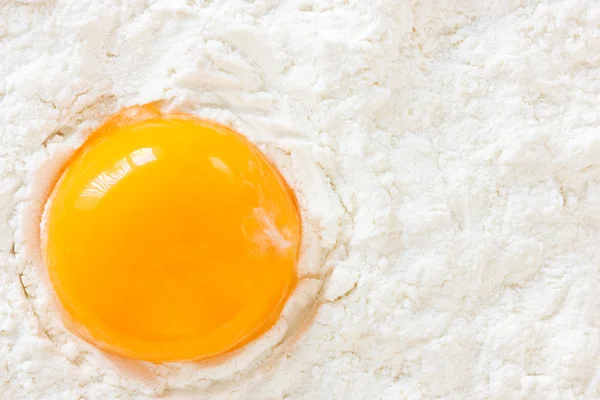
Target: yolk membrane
{"type": "Point", "coordinates": [170, 238]}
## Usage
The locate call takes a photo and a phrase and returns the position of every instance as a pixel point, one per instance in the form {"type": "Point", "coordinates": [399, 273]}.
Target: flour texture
{"type": "Point", "coordinates": [445, 154]}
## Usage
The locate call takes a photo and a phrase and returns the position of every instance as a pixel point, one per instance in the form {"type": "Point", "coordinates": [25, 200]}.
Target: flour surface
{"type": "Point", "coordinates": [446, 155]}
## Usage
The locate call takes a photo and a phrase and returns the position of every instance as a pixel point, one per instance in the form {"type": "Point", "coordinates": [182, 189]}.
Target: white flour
{"type": "Point", "coordinates": [446, 155]}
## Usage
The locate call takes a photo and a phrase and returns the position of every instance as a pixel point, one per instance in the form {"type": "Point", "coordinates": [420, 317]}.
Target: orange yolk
{"type": "Point", "coordinates": [170, 238]}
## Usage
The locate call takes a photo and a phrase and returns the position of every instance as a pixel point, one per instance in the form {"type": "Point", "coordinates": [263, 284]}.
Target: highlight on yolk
{"type": "Point", "coordinates": [170, 238]}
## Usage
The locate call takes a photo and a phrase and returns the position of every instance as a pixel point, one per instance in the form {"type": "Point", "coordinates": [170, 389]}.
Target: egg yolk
{"type": "Point", "coordinates": [170, 238]}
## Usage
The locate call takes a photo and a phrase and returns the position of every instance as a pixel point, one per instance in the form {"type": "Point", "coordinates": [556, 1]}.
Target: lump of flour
{"type": "Point", "coordinates": [448, 154]}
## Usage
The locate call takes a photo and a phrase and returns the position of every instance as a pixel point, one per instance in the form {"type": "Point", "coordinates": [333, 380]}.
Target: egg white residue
{"type": "Point", "coordinates": [446, 160]}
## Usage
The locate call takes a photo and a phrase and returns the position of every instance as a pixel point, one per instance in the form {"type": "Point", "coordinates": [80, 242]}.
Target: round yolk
{"type": "Point", "coordinates": [170, 238]}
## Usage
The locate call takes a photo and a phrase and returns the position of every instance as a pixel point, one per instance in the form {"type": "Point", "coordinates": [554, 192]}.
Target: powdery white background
{"type": "Point", "coordinates": [446, 155]}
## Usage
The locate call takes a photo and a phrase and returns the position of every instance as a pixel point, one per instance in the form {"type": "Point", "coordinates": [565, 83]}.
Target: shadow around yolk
{"type": "Point", "coordinates": [170, 238]}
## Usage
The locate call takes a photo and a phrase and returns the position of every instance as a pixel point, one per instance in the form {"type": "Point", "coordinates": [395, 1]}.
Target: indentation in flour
{"type": "Point", "coordinates": [23, 286]}
{"type": "Point", "coordinates": [314, 267]}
